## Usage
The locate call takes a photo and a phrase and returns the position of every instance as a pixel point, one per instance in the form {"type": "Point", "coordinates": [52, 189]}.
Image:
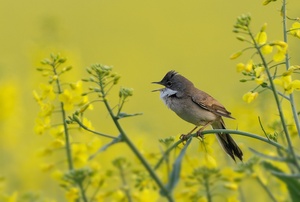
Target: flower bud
{"type": "Point", "coordinates": [263, 28]}
{"type": "Point", "coordinates": [241, 38]}
{"type": "Point", "coordinates": [236, 55]}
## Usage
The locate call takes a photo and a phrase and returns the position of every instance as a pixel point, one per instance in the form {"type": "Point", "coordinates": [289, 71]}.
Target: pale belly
{"type": "Point", "coordinates": [190, 111]}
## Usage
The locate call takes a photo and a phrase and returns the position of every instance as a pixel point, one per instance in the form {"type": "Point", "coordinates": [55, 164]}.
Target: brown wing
{"type": "Point", "coordinates": [207, 102]}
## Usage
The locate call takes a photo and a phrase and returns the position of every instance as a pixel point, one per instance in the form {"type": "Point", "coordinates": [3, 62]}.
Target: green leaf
{"type": "Point", "coordinates": [274, 158]}
{"type": "Point", "coordinates": [103, 148]}
{"type": "Point", "coordinates": [124, 115]}
{"type": "Point", "coordinates": [291, 182]}
{"type": "Point", "coordinates": [175, 174]}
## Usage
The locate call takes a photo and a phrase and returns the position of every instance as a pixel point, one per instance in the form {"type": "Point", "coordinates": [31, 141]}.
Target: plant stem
{"type": "Point", "coordinates": [133, 148]}
{"type": "Point", "coordinates": [137, 153]}
{"type": "Point", "coordinates": [82, 192]}
{"type": "Point", "coordinates": [207, 189]}
{"type": "Point", "coordinates": [278, 104]}
{"type": "Point", "coordinates": [125, 186]}
{"type": "Point", "coordinates": [92, 131]}
{"type": "Point", "coordinates": [287, 64]}
{"type": "Point", "coordinates": [66, 130]}
{"type": "Point", "coordinates": [266, 189]}
{"type": "Point", "coordinates": [254, 136]}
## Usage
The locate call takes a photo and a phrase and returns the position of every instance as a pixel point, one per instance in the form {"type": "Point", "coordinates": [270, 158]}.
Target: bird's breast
{"type": "Point", "coordinates": [189, 111]}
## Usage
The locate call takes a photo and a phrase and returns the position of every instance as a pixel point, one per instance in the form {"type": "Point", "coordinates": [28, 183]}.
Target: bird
{"type": "Point", "coordinates": [197, 107]}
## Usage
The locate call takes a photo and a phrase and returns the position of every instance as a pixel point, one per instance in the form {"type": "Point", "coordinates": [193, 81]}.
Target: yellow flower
{"type": "Point", "coordinates": [231, 175]}
{"type": "Point", "coordinates": [57, 143]}
{"type": "Point", "coordinates": [119, 195]}
{"type": "Point", "coordinates": [295, 30]}
{"type": "Point", "coordinates": [47, 91]}
{"type": "Point", "coordinates": [210, 161]}
{"type": "Point", "coordinates": [57, 175]}
{"type": "Point", "coordinates": [266, 2]}
{"type": "Point", "coordinates": [68, 99]}
{"type": "Point", "coordinates": [260, 80]}
{"type": "Point", "coordinates": [84, 104]}
{"type": "Point", "coordinates": [250, 96]}
{"type": "Point", "coordinates": [240, 67]}
{"type": "Point", "coordinates": [87, 123]}
{"type": "Point", "coordinates": [46, 109]}
{"type": "Point", "coordinates": [296, 84]}
{"type": "Point", "coordinates": [260, 76]}
{"type": "Point", "coordinates": [12, 198]}
{"type": "Point", "coordinates": [41, 125]}
{"type": "Point", "coordinates": [293, 68]}
{"type": "Point", "coordinates": [205, 145]}
{"type": "Point", "coordinates": [77, 87]}
{"type": "Point", "coordinates": [236, 55]}
{"type": "Point", "coordinates": [287, 83]}
{"type": "Point", "coordinates": [37, 97]}
{"type": "Point", "coordinates": [146, 195]}
{"type": "Point", "coordinates": [281, 47]}
{"type": "Point", "coordinates": [232, 199]}
{"type": "Point", "coordinates": [261, 38]}
{"type": "Point", "coordinates": [72, 194]}
{"type": "Point", "coordinates": [46, 167]}
{"type": "Point", "coordinates": [249, 66]}
{"type": "Point", "coordinates": [266, 49]}
{"type": "Point", "coordinates": [57, 132]}
{"type": "Point", "coordinates": [259, 70]}
{"type": "Point", "coordinates": [80, 155]}
{"type": "Point", "coordinates": [231, 185]}
{"type": "Point", "coordinates": [94, 145]}
{"type": "Point", "coordinates": [44, 152]}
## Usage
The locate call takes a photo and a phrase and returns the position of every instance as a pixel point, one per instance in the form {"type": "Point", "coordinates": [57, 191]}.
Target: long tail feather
{"type": "Point", "coordinates": [227, 142]}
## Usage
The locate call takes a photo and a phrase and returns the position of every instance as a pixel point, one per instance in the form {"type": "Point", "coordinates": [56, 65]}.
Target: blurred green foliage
{"type": "Point", "coordinates": [142, 40]}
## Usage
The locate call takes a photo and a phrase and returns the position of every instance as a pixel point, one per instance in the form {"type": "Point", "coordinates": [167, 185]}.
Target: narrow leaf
{"type": "Point", "coordinates": [124, 115]}
{"type": "Point", "coordinates": [291, 182]}
{"type": "Point", "coordinates": [175, 174]}
{"type": "Point", "coordinates": [104, 147]}
{"type": "Point", "coordinates": [274, 158]}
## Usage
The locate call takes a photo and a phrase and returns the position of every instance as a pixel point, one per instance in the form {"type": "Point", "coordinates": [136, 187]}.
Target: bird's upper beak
{"type": "Point", "coordinates": [157, 82]}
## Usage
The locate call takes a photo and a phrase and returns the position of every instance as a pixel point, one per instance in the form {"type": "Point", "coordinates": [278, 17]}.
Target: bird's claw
{"type": "Point", "coordinates": [199, 134]}
{"type": "Point", "coordinates": [183, 138]}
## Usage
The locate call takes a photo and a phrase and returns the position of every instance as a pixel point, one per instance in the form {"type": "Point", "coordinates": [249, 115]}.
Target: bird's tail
{"type": "Point", "coordinates": [227, 142]}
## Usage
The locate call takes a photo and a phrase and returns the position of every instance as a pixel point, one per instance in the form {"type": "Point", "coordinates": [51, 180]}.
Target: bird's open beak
{"type": "Point", "coordinates": [157, 82]}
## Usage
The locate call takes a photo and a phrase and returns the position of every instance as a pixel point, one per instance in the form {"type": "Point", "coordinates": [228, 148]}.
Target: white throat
{"type": "Point", "coordinates": [165, 93]}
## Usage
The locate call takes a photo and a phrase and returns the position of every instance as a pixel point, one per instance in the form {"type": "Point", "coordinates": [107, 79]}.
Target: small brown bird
{"type": "Point", "coordinates": [198, 108]}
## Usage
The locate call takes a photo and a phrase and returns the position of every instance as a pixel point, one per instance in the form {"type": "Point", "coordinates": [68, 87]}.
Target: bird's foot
{"type": "Point", "coordinates": [199, 133]}
{"type": "Point", "coordinates": [184, 138]}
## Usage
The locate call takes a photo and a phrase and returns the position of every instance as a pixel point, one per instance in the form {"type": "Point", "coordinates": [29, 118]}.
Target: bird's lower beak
{"type": "Point", "coordinates": [157, 90]}
{"type": "Point", "coordinates": [157, 82]}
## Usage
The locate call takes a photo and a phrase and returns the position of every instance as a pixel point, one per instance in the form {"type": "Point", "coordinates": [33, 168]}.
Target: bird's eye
{"type": "Point", "coordinates": [169, 83]}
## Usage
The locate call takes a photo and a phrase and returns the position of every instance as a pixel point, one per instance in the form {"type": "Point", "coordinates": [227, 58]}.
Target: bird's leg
{"type": "Point", "coordinates": [202, 128]}
{"type": "Point", "coordinates": [184, 137]}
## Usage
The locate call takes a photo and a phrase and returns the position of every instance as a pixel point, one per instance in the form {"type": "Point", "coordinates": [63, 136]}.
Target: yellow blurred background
{"type": "Point", "coordinates": [142, 40]}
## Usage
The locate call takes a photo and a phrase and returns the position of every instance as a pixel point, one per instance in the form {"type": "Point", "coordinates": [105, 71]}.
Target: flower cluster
{"type": "Point", "coordinates": [272, 54]}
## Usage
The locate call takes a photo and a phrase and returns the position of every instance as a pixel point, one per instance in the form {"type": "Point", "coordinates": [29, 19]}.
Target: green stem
{"type": "Point", "coordinates": [125, 186]}
{"type": "Point", "coordinates": [83, 195]}
{"type": "Point", "coordinates": [137, 153]}
{"type": "Point", "coordinates": [242, 133]}
{"type": "Point", "coordinates": [166, 153]}
{"type": "Point", "coordinates": [96, 190]}
{"type": "Point", "coordinates": [266, 189]}
{"type": "Point", "coordinates": [207, 189]}
{"type": "Point", "coordinates": [134, 149]}
{"type": "Point", "coordinates": [63, 113]}
{"type": "Point", "coordinates": [287, 63]}
{"type": "Point", "coordinates": [92, 131]}
{"type": "Point", "coordinates": [278, 104]}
